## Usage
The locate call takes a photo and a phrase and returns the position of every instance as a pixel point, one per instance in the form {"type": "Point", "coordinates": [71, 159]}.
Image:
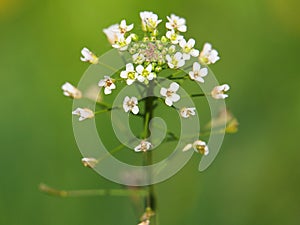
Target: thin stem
{"type": "Point", "coordinates": [107, 66]}
{"type": "Point", "coordinates": [92, 192]}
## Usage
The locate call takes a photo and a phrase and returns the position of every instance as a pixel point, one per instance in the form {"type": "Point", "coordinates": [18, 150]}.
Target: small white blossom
{"type": "Point", "coordinates": [218, 92]}
{"type": "Point", "coordinates": [150, 21]}
{"type": "Point", "coordinates": [209, 55]}
{"type": "Point", "coordinates": [108, 84]}
{"type": "Point", "coordinates": [199, 146]}
{"type": "Point", "coordinates": [175, 61]}
{"type": "Point", "coordinates": [143, 146]}
{"type": "Point", "coordinates": [130, 104]}
{"type": "Point", "coordinates": [145, 74]}
{"type": "Point", "coordinates": [170, 94]}
{"type": "Point", "coordinates": [122, 43]}
{"type": "Point", "coordinates": [198, 73]}
{"type": "Point", "coordinates": [71, 91]}
{"type": "Point", "coordinates": [129, 74]}
{"type": "Point", "coordinates": [88, 56]}
{"type": "Point", "coordinates": [89, 162]}
{"type": "Point", "coordinates": [187, 112]}
{"type": "Point", "coordinates": [138, 58]}
{"type": "Point", "coordinates": [174, 37]}
{"type": "Point", "coordinates": [83, 113]}
{"type": "Point", "coordinates": [123, 28]}
{"type": "Point", "coordinates": [112, 33]}
{"type": "Point", "coordinates": [176, 23]}
{"type": "Point", "coordinates": [188, 49]}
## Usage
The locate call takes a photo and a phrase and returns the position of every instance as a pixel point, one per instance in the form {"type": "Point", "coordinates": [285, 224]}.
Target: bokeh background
{"type": "Point", "coordinates": [255, 178]}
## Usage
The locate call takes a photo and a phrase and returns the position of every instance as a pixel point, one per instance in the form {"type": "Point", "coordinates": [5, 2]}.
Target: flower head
{"type": "Point", "coordinates": [198, 73]}
{"type": "Point", "coordinates": [187, 112]}
{"type": "Point", "coordinates": [218, 92]}
{"type": "Point", "coordinates": [129, 74]}
{"type": "Point", "coordinates": [175, 61]}
{"type": "Point", "coordinates": [170, 94]}
{"type": "Point", "coordinates": [123, 27]}
{"type": "Point", "coordinates": [108, 84]}
{"type": "Point", "coordinates": [143, 146]}
{"type": "Point", "coordinates": [71, 91]}
{"type": "Point", "coordinates": [83, 113]}
{"type": "Point", "coordinates": [145, 74]}
{"type": "Point", "coordinates": [199, 146]}
{"type": "Point", "coordinates": [176, 23]}
{"type": "Point", "coordinates": [188, 49]}
{"type": "Point", "coordinates": [122, 43]}
{"type": "Point", "coordinates": [209, 55]}
{"type": "Point", "coordinates": [112, 33]}
{"type": "Point", "coordinates": [150, 21]}
{"type": "Point", "coordinates": [89, 162]}
{"type": "Point", "coordinates": [130, 104]}
{"type": "Point", "coordinates": [174, 37]}
{"type": "Point", "coordinates": [88, 56]}
{"type": "Point", "coordinates": [138, 58]}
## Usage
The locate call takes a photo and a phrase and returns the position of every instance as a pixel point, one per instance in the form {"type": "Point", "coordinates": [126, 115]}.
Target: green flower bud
{"type": "Point", "coordinates": [145, 39]}
{"type": "Point", "coordinates": [134, 37]}
{"type": "Point", "coordinates": [158, 69]}
{"type": "Point", "coordinates": [164, 39]}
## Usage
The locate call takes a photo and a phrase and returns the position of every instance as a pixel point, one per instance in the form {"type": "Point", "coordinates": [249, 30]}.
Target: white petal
{"type": "Point", "coordinates": [203, 72]}
{"type": "Point", "coordinates": [194, 52]}
{"type": "Point", "coordinates": [107, 91]}
{"type": "Point", "coordinates": [196, 66]}
{"type": "Point", "coordinates": [112, 86]}
{"type": "Point", "coordinates": [149, 68]}
{"type": "Point", "coordinates": [187, 147]}
{"type": "Point", "coordinates": [175, 97]}
{"type": "Point", "coordinates": [123, 74]}
{"type": "Point", "coordinates": [101, 83]}
{"type": "Point", "coordinates": [168, 101]}
{"type": "Point", "coordinates": [139, 69]}
{"type": "Point", "coordinates": [129, 67]}
{"type": "Point", "coordinates": [135, 110]}
{"type": "Point", "coordinates": [163, 91]}
{"type": "Point", "coordinates": [174, 87]}
{"type": "Point", "coordinates": [141, 78]}
{"type": "Point", "coordinates": [129, 81]}
{"type": "Point", "coordinates": [180, 63]}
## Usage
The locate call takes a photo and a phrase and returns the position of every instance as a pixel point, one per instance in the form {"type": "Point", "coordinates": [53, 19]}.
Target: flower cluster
{"type": "Point", "coordinates": [149, 55]}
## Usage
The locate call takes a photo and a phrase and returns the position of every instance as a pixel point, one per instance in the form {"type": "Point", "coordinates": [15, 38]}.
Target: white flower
{"type": "Point", "coordinates": [89, 162]}
{"type": "Point", "coordinates": [209, 55]}
{"type": "Point", "coordinates": [176, 23]}
{"type": "Point", "coordinates": [199, 146]}
{"type": "Point", "coordinates": [138, 58]}
{"type": "Point", "coordinates": [198, 73]}
{"type": "Point", "coordinates": [174, 37]}
{"type": "Point", "coordinates": [108, 84]}
{"type": "Point", "coordinates": [170, 94]}
{"type": "Point", "coordinates": [175, 61]}
{"type": "Point", "coordinates": [123, 28]}
{"type": "Point", "coordinates": [88, 56]}
{"type": "Point", "coordinates": [122, 43]}
{"type": "Point", "coordinates": [130, 75]}
{"type": "Point", "coordinates": [83, 113]}
{"type": "Point", "coordinates": [150, 21]}
{"type": "Point", "coordinates": [71, 91]}
{"type": "Point", "coordinates": [112, 33]}
{"type": "Point", "coordinates": [218, 92]}
{"type": "Point", "coordinates": [187, 112]}
{"type": "Point", "coordinates": [130, 104]}
{"type": "Point", "coordinates": [188, 49]}
{"type": "Point", "coordinates": [145, 74]}
{"type": "Point", "coordinates": [143, 146]}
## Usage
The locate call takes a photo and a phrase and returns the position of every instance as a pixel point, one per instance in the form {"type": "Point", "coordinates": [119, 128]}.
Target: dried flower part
{"type": "Point", "coordinates": [218, 92]}
{"type": "Point", "coordinates": [199, 147]}
{"type": "Point", "coordinates": [89, 162]}
{"type": "Point", "coordinates": [187, 112]}
{"type": "Point", "coordinates": [71, 91]}
{"type": "Point", "coordinates": [144, 146]}
{"type": "Point", "coordinates": [88, 56]}
{"type": "Point", "coordinates": [83, 113]}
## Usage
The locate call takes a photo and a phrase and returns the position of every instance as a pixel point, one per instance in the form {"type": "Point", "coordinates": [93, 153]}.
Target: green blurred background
{"type": "Point", "coordinates": [255, 178]}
